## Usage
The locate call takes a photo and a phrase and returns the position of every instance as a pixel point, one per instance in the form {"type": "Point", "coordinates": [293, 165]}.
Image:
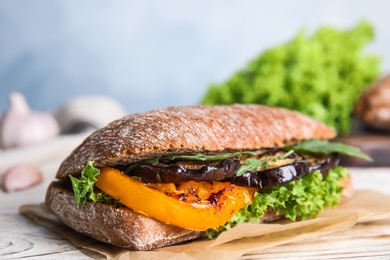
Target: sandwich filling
{"type": "Point", "coordinates": [213, 192]}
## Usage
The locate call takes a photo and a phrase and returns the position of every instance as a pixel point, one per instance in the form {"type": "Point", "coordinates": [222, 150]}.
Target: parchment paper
{"type": "Point", "coordinates": [365, 206]}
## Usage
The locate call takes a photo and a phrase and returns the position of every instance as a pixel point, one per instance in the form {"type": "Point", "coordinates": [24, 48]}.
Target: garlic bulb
{"type": "Point", "coordinates": [20, 177]}
{"type": "Point", "coordinates": [20, 126]}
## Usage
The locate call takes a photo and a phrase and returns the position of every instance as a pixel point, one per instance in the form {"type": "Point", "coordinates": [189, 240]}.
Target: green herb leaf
{"type": "Point", "coordinates": [253, 164]}
{"type": "Point", "coordinates": [284, 156]}
{"type": "Point", "coordinates": [213, 157]}
{"type": "Point", "coordinates": [316, 146]}
{"type": "Point", "coordinates": [199, 157]}
{"type": "Point", "coordinates": [83, 188]}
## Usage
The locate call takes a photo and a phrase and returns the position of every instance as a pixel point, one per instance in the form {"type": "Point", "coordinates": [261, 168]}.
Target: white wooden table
{"type": "Point", "coordinates": [22, 238]}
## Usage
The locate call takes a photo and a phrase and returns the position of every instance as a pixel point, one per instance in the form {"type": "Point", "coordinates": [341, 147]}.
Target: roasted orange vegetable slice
{"type": "Point", "coordinates": [192, 205]}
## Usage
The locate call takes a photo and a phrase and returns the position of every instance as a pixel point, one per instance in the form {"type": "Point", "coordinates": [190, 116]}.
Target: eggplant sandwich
{"type": "Point", "coordinates": [166, 176]}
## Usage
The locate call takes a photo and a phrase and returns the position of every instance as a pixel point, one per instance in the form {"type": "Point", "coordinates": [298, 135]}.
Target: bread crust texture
{"type": "Point", "coordinates": [191, 130]}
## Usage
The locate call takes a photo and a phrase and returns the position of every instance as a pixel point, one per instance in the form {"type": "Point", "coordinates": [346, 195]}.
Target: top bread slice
{"type": "Point", "coordinates": [190, 130]}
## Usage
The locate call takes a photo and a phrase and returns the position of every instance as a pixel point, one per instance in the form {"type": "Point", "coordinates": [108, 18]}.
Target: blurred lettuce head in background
{"type": "Point", "coordinates": [320, 75]}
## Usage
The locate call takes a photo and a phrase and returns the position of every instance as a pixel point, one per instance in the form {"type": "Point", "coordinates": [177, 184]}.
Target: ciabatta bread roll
{"type": "Point", "coordinates": [166, 176]}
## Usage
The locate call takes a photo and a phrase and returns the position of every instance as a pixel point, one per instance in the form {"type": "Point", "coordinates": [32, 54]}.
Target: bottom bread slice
{"type": "Point", "coordinates": [119, 226]}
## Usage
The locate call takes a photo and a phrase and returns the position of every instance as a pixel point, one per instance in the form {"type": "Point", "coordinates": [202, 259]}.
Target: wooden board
{"type": "Point", "coordinates": [376, 145]}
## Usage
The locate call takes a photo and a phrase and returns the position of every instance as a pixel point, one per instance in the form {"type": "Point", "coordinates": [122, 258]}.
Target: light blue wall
{"type": "Point", "coordinates": [151, 54]}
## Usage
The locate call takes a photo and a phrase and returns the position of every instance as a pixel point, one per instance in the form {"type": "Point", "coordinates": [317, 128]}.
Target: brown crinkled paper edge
{"type": "Point", "coordinates": [365, 206]}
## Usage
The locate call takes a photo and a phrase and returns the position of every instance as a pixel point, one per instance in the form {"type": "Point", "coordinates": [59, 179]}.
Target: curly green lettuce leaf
{"type": "Point", "coordinates": [316, 146]}
{"type": "Point", "coordinates": [320, 75]}
{"type": "Point", "coordinates": [83, 188]}
{"type": "Point", "coordinates": [300, 199]}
